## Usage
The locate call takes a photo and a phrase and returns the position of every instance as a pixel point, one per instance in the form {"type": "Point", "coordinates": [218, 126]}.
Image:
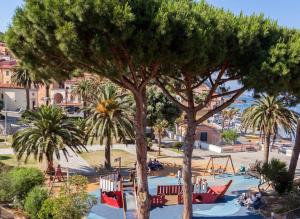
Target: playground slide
{"type": "Point", "coordinates": [130, 203]}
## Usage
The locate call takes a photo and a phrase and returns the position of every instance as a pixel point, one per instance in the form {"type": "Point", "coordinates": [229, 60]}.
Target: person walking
{"type": "Point", "coordinates": [179, 176]}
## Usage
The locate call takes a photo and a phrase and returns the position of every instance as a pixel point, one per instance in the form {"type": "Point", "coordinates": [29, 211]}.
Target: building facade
{"type": "Point", "coordinates": [60, 93]}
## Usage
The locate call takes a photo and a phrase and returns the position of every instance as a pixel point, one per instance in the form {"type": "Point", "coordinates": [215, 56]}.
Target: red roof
{"type": "Point", "coordinates": [12, 86]}
{"type": "Point", "coordinates": [8, 64]}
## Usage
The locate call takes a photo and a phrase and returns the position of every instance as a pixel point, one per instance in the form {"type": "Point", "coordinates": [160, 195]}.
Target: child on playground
{"type": "Point", "coordinates": [179, 176]}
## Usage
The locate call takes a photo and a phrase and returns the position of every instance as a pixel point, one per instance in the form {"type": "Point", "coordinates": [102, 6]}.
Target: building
{"type": "Point", "coordinates": [60, 93]}
{"type": "Point", "coordinates": [209, 133]}
{"type": "Point", "coordinates": [12, 95]}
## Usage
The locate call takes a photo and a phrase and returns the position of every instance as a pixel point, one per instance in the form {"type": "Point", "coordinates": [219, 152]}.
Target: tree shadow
{"type": "Point", "coordinates": [5, 157]}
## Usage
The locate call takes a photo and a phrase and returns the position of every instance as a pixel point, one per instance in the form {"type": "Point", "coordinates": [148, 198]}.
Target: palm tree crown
{"type": "Point", "coordinates": [49, 131]}
{"type": "Point", "coordinates": [23, 78]}
{"type": "Point", "coordinates": [268, 114]}
{"type": "Point", "coordinates": [109, 118]}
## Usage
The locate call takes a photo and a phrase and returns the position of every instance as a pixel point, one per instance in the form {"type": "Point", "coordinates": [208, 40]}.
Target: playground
{"type": "Point", "coordinates": [225, 206]}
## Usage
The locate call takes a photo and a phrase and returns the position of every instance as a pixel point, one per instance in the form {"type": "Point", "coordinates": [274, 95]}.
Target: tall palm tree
{"type": "Point", "coordinates": [23, 78]}
{"type": "Point", "coordinates": [49, 131]}
{"type": "Point", "coordinates": [228, 114]}
{"type": "Point", "coordinates": [84, 89]}
{"type": "Point", "coordinates": [268, 114]}
{"type": "Point", "coordinates": [110, 118]}
{"type": "Point", "coordinates": [159, 128]}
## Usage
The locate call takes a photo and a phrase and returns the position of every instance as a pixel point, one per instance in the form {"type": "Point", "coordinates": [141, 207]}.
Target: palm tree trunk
{"type": "Point", "coordinates": [107, 163]}
{"type": "Point", "coordinates": [295, 153]}
{"type": "Point", "coordinates": [84, 107]}
{"type": "Point", "coordinates": [159, 143]}
{"type": "Point", "coordinates": [187, 165]}
{"type": "Point", "coordinates": [50, 168]}
{"type": "Point", "coordinates": [47, 87]}
{"type": "Point", "coordinates": [267, 147]}
{"type": "Point", "coordinates": [143, 197]}
{"type": "Point", "coordinates": [27, 90]}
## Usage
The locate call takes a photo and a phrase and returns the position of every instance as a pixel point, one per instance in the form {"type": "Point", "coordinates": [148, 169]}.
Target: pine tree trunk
{"type": "Point", "coordinates": [47, 87]}
{"type": "Point", "coordinates": [267, 147]}
{"type": "Point", "coordinates": [143, 197]}
{"type": "Point", "coordinates": [107, 163]}
{"type": "Point", "coordinates": [159, 143]}
{"type": "Point", "coordinates": [27, 90]}
{"type": "Point", "coordinates": [187, 165]}
{"type": "Point", "coordinates": [295, 153]}
{"type": "Point", "coordinates": [84, 107]}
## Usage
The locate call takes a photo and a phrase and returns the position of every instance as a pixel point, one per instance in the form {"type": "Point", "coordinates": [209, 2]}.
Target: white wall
{"type": "Point", "coordinates": [210, 147]}
{"type": "Point", "coordinates": [16, 98]}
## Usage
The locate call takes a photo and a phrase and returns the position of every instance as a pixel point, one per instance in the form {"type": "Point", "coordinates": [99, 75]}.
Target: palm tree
{"type": "Point", "coordinates": [84, 89]}
{"type": "Point", "coordinates": [268, 114]}
{"type": "Point", "coordinates": [159, 129]}
{"type": "Point", "coordinates": [49, 131]}
{"type": "Point", "coordinates": [228, 114]}
{"type": "Point", "coordinates": [23, 78]}
{"type": "Point", "coordinates": [110, 118]}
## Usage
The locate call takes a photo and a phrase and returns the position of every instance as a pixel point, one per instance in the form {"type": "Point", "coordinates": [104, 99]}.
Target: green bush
{"type": "Point", "coordinates": [276, 172]}
{"type": "Point", "coordinates": [178, 145]}
{"type": "Point", "coordinates": [23, 180]}
{"type": "Point", "coordinates": [34, 201]}
{"type": "Point", "coordinates": [72, 203]}
{"type": "Point", "coordinates": [230, 136]}
{"type": "Point", "coordinates": [6, 194]}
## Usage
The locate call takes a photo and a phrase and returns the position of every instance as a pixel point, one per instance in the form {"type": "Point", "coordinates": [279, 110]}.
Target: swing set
{"type": "Point", "coordinates": [210, 168]}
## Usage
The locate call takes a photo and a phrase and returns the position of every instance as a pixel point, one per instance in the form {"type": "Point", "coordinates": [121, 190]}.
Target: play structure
{"type": "Point", "coordinates": [210, 168]}
{"type": "Point", "coordinates": [111, 190]}
{"type": "Point", "coordinates": [211, 194]}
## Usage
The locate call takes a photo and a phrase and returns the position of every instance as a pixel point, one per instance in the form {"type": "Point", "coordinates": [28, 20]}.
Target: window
{"type": "Point", "coordinates": [2, 96]}
{"type": "Point", "coordinates": [203, 136]}
{"type": "Point", "coordinates": [7, 73]}
{"type": "Point", "coordinates": [61, 85]}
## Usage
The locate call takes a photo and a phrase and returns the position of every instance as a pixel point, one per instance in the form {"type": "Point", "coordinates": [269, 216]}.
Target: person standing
{"type": "Point", "coordinates": [179, 176]}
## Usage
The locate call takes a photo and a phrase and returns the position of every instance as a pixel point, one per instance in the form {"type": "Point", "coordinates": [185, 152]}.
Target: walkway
{"type": "Point", "coordinates": [75, 164]}
{"type": "Point", "coordinates": [6, 151]}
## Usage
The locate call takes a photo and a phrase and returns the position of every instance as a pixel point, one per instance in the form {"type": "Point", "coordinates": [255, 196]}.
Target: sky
{"type": "Point", "coordinates": [286, 12]}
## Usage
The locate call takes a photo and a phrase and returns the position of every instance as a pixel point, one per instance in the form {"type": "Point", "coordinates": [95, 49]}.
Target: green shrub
{"type": "Point", "coordinates": [34, 201]}
{"type": "Point", "coordinates": [23, 180]}
{"type": "Point", "coordinates": [6, 194]}
{"type": "Point", "coordinates": [230, 136]}
{"type": "Point", "coordinates": [178, 145]}
{"type": "Point", "coordinates": [72, 203]}
{"type": "Point", "coordinates": [276, 172]}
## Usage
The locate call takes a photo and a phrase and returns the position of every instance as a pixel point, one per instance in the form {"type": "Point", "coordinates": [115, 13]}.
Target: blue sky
{"type": "Point", "coordinates": [286, 12]}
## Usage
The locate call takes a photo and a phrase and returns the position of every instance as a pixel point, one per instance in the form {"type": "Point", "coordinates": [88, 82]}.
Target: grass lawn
{"type": "Point", "coordinates": [11, 160]}
{"type": "Point", "coordinates": [96, 158]}
{"type": "Point", "coordinates": [175, 150]}
{"type": "Point", "coordinates": [5, 142]}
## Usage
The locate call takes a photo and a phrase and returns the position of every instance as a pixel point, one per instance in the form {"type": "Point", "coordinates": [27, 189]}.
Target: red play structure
{"type": "Point", "coordinates": [114, 199]}
{"type": "Point", "coordinates": [213, 194]}
{"type": "Point", "coordinates": [111, 190]}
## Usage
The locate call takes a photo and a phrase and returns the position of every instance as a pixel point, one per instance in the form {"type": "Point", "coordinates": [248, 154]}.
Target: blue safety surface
{"type": "Point", "coordinates": [226, 208]}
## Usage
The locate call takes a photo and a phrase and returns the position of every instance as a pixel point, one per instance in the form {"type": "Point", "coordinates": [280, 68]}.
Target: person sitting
{"type": "Point", "coordinates": [151, 165]}
{"type": "Point", "coordinates": [157, 164]}
{"type": "Point", "coordinates": [242, 170]}
{"type": "Point", "coordinates": [220, 170]}
{"type": "Point", "coordinates": [257, 203]}
{"type": "Point", "coordinates": [242, 199]}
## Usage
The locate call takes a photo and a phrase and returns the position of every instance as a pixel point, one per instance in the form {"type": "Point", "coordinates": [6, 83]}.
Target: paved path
{"type": "Point", "coordinates": [6, 151]}
{"type": "Point", "coordinates": [75, 164]}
